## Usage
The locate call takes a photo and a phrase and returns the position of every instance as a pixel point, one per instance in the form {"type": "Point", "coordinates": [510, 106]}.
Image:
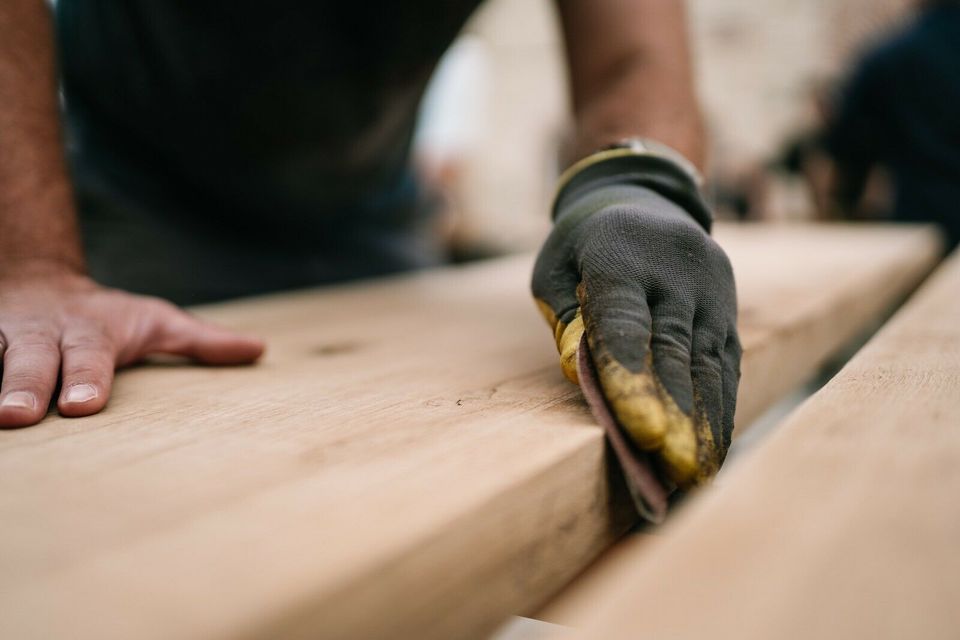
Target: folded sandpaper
{"type": "Point", "coordinates": [649, 493]}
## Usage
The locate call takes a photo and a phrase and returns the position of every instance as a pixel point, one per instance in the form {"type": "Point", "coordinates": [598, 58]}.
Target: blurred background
{"type": "Point", "coordinates": [768, 72]}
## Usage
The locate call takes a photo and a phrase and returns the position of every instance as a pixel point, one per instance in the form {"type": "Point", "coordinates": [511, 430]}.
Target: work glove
{"type": "Point", "coordinates": [630, 261]}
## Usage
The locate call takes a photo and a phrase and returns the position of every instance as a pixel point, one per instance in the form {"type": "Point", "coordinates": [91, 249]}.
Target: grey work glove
{"type": "Point", "coordinates": [656, 297]}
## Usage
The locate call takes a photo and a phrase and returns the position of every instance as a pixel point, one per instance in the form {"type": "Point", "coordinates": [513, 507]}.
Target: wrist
{"type": "Point", "coordinates": [39, 232]}
{"type": "Point", "coordinates": [42, 268]}
{"type": "Point", "coordinates": [637, 163]}
{"type": "Point", "coordinates": [682, 129]}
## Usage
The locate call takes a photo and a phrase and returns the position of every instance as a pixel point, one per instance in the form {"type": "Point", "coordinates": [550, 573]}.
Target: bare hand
{"type": "Point", "coordinates": [62, 325]}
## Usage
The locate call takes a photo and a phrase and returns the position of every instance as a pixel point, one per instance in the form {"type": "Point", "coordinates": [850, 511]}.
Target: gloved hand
{"type": "Point", "coordinates": [656, 297]}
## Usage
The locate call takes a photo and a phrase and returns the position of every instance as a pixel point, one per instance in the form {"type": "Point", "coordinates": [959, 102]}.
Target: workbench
{"type": "Point", "coordinates": [406, 461]}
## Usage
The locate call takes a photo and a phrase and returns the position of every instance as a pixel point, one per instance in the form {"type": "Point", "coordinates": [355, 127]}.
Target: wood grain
{"type": "Point", "coordinates": [844, 524]}
{"type": "Point", "coordinates": [406, 462]}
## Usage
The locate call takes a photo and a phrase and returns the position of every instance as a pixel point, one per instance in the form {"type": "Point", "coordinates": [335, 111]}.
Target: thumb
{"type": "Point", "coordinates": [183, 334]}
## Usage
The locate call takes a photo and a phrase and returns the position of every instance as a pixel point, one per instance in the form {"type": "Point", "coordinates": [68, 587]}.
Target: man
{"type": "Point", "coordinates": [223, 150]}
{"type": "Point", "coordinates": [900, 111]}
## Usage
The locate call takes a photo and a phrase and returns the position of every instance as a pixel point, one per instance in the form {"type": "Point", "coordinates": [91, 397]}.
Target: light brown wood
{"type": "Point", "coordinates": [576, 604]}
{"type": "Point", "coordinates": [406, 462]}
{"type": "Point", "coordinates": [844, 524]}
{"type": "Point", "coordinates": [805, 292]}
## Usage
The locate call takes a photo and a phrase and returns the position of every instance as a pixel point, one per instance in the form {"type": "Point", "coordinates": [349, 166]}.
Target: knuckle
{"type": "Point", "coordinates": [87, 341]}
{"type": "Point", "coordinates": [689, 232]}
{"type": "Point", "coordinates": [157, 318]}
{"type": "Point", "coordinates": [671, 344]}
{"type": "Point", "coordinates": [75, 358]}
{"type": "Point", "coordinates": [670, 359]}
{"type": "Point", "coordinates": [615, 219]}
{"type": "Point", "coordinates": [708, 365]}
{"type": "Point", "coordinates": [28, 350]}
{"type": "Point", "coordinates": [90, 373]}
{"type": "Point", "coordinates": [35, 332]}
{"type": "Point", "coordinates": [29, 380]}
{"type": "Point", "coordinates": [711, 350]}
{"type": "Point", "coordinates": [677, 226]}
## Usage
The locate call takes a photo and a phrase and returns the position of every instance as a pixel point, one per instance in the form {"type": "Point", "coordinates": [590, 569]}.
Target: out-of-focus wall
{"type": "Point", "coordinates": [507, 186]}
{"type": "Point", "coordinates": [755, 62]}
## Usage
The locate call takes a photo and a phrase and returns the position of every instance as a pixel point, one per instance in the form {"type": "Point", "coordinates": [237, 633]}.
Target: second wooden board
{"type": "Point", "coordinates": [844, 524]}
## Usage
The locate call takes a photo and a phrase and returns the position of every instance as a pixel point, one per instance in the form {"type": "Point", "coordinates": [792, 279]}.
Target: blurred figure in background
{"type": "Point", "coordinates": [805, 153]}
{"type": "Point", "coordinates": [900, 111]}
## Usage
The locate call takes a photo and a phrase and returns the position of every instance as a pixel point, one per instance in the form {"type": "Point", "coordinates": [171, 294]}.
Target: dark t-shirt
{"type": "Point", "coordinates": [902, 110]}
{"type": "Point", "coordinates": [229, 148]}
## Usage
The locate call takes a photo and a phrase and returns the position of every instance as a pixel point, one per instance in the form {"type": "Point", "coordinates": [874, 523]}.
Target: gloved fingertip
{"type": "Point", "coordinates": [679, 456]}
{"type": "Point", "coordinates": [568, 343]}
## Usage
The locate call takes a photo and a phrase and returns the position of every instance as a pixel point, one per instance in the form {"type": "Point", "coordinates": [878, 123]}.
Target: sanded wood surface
{"type": "Point", "coordinates": [845, 524]}
{"type": "Point", "coordinates": [407, 461]}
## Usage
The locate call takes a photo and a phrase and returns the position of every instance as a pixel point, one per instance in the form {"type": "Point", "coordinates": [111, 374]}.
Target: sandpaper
{"type": "Point", "coordinates": [649, 493]}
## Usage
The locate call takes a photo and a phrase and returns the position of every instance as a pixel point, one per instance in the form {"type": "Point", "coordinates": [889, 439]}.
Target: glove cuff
{"type": "Point", "coordinates": [627, 166]}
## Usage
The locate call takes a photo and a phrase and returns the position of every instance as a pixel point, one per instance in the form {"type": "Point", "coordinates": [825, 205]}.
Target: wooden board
{"type": "Point", "coordinates": [575, 606]}
{"type": "Point", "coordinates": [406, 462]}
{"type": "Point", "coordinates": [844, 524]}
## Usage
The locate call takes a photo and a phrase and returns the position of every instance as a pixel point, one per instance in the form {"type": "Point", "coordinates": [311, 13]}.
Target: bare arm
{"type": "Point", "coordinates": [38, 226]}
{"type": "Point", "coordinates": [630, 73]}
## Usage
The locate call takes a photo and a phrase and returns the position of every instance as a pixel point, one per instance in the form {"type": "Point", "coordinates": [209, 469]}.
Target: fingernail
{"type": "Point", "coordinates": [20, 400]}
{"type": "Point", "coordinates": [80, 393]}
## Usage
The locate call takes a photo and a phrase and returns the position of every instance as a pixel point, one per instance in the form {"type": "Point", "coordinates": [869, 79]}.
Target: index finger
{"type": "Point", "coordinates": [31, 362]}
{"type": "Point", "coordinates": [617, 323]}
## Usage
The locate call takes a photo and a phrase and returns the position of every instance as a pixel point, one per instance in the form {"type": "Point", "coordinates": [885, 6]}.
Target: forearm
{"type": "Point", "coordinates": [38, 227]}
{"type": "Point", "coordinates": [631, 74]}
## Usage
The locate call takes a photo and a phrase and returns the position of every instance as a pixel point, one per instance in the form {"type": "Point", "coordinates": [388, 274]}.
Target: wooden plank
{"type": "Point", "coordinates": [406, 462]}
{"type": "Point", "coordinates": [844, 524]}
{"type": "Point", "coordinates": [805, 293]}
{"type": "Point", "coordinates": [576, 604]}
